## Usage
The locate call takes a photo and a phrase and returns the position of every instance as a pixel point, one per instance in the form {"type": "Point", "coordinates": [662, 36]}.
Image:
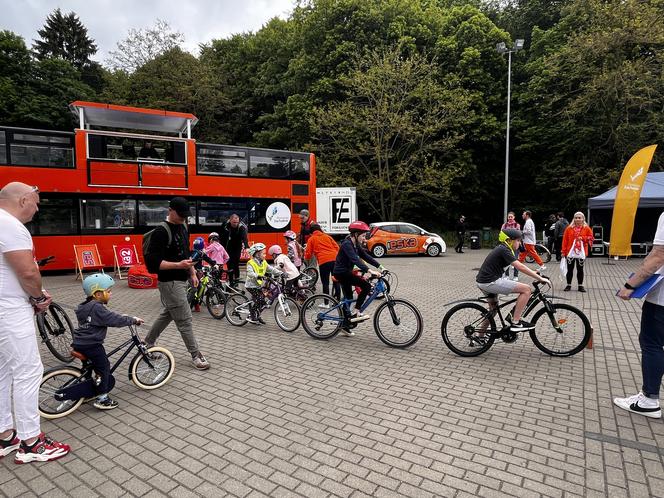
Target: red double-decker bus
{"type": "Point", "coordinates": [103, 186]}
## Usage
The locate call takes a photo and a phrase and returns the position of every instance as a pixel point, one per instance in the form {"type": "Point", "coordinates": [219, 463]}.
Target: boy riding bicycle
{"type": "Point", "coordinates": [257, 268]}
{"type": "Point", "coordinates": [492, 281]}
{"type": "Point", "coordinates": [93, 320]}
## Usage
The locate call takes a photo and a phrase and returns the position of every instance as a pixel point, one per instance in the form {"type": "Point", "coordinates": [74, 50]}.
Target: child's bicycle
{"type": "Point", "coordinates": [470, 329]}
{"type": "Point", "coordinates": [309, 276]}
{"type": "Point", "coordinates": [55, 327]}
{"type": "Point", "coordinates": [286, 309]}
{"type": "Point", "coordinates": [397, 322]}
{"type": "Point", "coordinates": [214, 289]}
{"type": "Point", "coordinates": [300, 292]}
{"type": "Point", "coordinates": [63, 389]}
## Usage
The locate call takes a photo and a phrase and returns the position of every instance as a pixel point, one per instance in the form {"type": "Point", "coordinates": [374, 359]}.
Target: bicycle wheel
{"type": "Point", "coordinates": [57, 332]}
{"type": "Point", "coordinates": [287, 315]}
{"type": "Point", "coordinates": [543, 252]}
{"type": "Point", "coordinates": [321, 316]}
{"type": "Point", "coordinates": [463, 327]}
{"type": "Point", "coordinates": [310, 277]}
{"type": "Point", "coordinates": [191, 294]}
{"type": "Point", "coordinates": [563, 333]}
{"type": "Point", "coordinates": [215, 302]}
{"type": "Point", "coordinates": [235, 312]}
{"type": "Point", "coordinates": [302, 295]}
{"type": "Point", "coordinates": [156, 373]}
{"type": "Point", "coordinates": [398, 323]}
{"type": "Point", "coordinates": [53, 380]}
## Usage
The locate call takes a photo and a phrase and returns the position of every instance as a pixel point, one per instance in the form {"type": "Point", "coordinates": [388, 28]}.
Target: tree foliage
{"type": "Point", "coordinates": [143, 45]}
{"type": "Point", "coordinates": [64, 37]}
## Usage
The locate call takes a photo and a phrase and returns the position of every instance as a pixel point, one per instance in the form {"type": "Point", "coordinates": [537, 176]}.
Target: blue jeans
{"type": "Point", "coordinates": [651, 340]}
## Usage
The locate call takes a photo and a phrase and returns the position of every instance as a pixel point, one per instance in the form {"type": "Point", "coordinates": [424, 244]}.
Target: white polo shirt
{"type": "Point", "coordinates": [13, 237]}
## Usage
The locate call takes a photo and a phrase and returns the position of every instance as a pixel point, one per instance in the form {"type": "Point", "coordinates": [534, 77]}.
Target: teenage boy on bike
{"type": "Point", "coordinates": [351, 254]}
{"type": "Point", "coordinates": [492, 281]}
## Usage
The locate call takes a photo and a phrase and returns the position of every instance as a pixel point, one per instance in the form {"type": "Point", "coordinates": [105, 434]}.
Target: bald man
{"type": "Point", "coordinates": [21, 296]}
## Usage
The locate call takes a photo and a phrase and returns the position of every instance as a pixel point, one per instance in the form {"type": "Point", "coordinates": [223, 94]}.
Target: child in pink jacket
{"type": "Point", "coordinates": [215, 250]}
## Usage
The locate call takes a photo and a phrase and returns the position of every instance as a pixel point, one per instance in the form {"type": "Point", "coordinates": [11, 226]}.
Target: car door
{"type": "Point", "coordinates": [412, 238]}
{"type": "Point", "coordinates": [390, 238]}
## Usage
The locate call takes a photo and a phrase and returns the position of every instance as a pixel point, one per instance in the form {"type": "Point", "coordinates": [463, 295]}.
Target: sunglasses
{"type": "Point", "coordinates": [35, 189]}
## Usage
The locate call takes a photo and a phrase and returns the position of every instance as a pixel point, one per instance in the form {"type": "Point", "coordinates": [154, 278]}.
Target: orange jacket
{"type": "Point", "coordinates": [322, 246]}
{"type": "Point", "coordinates": [568, 239]}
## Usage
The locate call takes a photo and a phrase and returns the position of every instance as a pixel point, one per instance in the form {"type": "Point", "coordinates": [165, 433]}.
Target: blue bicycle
{"type": "Point", "coordinates": [397, 322]}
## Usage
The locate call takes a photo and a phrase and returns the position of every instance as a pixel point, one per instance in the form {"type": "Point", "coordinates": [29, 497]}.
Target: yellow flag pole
{"type": "Point", "coordinates": [627, 200]}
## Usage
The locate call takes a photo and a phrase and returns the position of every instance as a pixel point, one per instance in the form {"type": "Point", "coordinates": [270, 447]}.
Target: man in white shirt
{"type": "Point", "coordinates": [21, 296]}
{"type": "Point", "coordinates": [529, 241]}
{"type": "Point", "coordinates": [651, 337]}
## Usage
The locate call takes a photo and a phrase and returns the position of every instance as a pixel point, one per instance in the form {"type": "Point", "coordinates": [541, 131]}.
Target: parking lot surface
{"type": "Point", "coordinates": [282, 414]}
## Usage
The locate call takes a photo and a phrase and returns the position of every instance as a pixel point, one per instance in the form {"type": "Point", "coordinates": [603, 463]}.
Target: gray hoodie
{"type": "Point", "coordinates": [93, 319]}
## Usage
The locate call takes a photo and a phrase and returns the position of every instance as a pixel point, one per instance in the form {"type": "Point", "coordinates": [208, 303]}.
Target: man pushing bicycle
{"type": "Point", "coordinates": [491, 280]}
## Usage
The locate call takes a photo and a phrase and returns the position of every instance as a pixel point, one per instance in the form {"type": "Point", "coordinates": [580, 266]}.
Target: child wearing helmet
{"type": "Point", "coordinates": [491, 279]}
{"type": "Point", "coordinates": [257, 268]}
{"type": "Point", "coordinates": [93, 320]}
{"type": "Point", "coordinates": [198, 256]}
{"type": "Point", "coordinates": [294, 249]}
{"type": "Point", "coordinates": [284, 263]}
{"type": "Point", "coordinates": [215, 250]}
{"type": "Point", "coordinates": [351, 254]}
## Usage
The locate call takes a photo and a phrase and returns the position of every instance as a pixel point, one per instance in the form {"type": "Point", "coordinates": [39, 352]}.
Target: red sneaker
{"type": "Point", "coordinates": [43, 449]}
{"type": "Point", "coordinates": [197, 308]}
{"type": "Point", "coordinates": [9, 445]}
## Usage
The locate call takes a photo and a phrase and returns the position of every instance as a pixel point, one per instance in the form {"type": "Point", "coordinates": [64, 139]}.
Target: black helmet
{"type": "Point", "coordinates": [510, 233]}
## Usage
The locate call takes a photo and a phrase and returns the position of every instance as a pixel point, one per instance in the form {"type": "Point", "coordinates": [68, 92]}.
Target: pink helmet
{"type": "Point", "coordinates": [274, 250]}
{"type": "Point", "coordinates": [290, 234]}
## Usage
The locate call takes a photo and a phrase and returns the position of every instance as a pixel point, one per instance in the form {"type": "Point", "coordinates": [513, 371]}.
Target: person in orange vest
{"type": "Point", "coordinates": [325, 248]}
{"type": "Point", "coordinates": [577, 240]}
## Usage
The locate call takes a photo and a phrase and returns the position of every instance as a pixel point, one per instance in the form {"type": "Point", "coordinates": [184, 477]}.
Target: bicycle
{"type": "Point", "coordinates": [543, 253]}
{"type": "Point", "coordinates": [309, 277]}
{"type": "Point", "coordinates": [63, 389]}
{"type": "Point", "coordinates": [323, 316]}
{"type": "Point", "coordinates": [286, 309]}
{"type": "Point", "coordinates": [55, 327]}
{"type": "Point", "coordinates": [474, 326]}
{"type": "Point", "coordinates": [214, 288]}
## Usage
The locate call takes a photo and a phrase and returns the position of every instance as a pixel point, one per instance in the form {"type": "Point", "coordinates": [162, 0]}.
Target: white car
{"type": "Point", "coordinates": [396, 237]}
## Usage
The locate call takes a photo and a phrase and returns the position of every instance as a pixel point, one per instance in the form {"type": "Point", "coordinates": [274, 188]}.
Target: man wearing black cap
{"type": "Point", "coordinates": [168, 256]}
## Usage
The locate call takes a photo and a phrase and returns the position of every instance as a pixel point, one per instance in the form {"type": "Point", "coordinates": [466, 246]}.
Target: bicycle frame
{"type": "Point", "coordinates": [345, 303]}
{"type": "Point", "coordinates": [535, 298]}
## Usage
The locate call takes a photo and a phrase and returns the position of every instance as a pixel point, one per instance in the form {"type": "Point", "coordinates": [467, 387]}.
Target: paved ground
{"type": "Point", "coordinates": [284, 415]}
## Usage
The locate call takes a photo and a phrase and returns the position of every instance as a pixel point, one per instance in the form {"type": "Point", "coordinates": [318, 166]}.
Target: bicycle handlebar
{"type": "Point", "coordinates": [45, 261]}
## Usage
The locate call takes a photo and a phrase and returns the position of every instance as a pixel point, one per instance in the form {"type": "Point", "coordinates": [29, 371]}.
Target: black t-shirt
{"type": "Point", "coordinates": [494, 264]}
{"type": "Point", "coordinates": [159, 251]}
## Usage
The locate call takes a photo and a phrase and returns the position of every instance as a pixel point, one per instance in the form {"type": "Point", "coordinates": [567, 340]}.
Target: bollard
{"type": "Point", "coordinates": [590, 342]}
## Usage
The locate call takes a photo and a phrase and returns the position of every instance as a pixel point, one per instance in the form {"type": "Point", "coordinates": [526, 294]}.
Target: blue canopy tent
{"type": "Point", "coordinates": [651, 205]}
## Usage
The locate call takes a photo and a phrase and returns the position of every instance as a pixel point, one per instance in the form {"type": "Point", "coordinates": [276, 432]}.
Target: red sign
{"type": "Point", "coordinates": [126, 255]}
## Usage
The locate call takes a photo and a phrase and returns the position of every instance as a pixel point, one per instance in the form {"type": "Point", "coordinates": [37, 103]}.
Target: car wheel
{"type": "Point", "coordinates": [433, 250]}
{"type": "Point", "coordinates": [378, 251]}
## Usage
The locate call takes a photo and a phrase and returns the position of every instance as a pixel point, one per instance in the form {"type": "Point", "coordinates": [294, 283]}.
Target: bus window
{"type": "Point", "coordinates": [106, 214]}
{"type": "Point", "coordinates": [269, 167]}
{"type": "Point", "coordinates": [299, 169]}
{"type": "Point", "coordinates": [215, 160]}
{"type": "Point", "coordinates": [3, 147]}
{"type": "Point", "coordinates": [151, 212]}
{"type": "Point", "coordinates": [217, 212]}
{"type": "Point", "coordinates": [41, 149]}
{"type": "Point", "coordinates": [55, 217]}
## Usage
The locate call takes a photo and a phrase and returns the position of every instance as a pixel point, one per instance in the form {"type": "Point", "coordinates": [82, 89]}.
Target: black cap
{"type": "Point", "coordinates": [180, 206]}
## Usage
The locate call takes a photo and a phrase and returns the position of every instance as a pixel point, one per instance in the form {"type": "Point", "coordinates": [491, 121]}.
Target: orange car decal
{"type": "Point", "coordinates": [394, 245]}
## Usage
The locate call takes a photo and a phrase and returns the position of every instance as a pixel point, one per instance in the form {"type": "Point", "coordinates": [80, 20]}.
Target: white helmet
{"type": "Point", "coordinates": [258, 246]}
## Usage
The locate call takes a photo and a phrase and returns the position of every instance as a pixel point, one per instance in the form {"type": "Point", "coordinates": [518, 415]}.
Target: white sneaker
{"type": "Point", "coordinates": [515, 279]}
{"type": "Point", "coordinates": [541, 268]}
{"type": "Point", "coordinates": [641, 404]}
{"type": "Point", "coordinates": [324, 306]}
{"type": "Point", "coordinates": [347, 333]}
{"type": "Point", "coordinates": [359, 317]}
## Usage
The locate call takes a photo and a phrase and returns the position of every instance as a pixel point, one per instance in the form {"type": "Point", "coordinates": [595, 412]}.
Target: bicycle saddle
{"type": "Point", "coordinates": [78, 355]}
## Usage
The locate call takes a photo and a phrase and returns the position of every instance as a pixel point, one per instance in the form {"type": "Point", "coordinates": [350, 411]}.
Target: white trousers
{"type": "Point", "coordinates": [21, 372]}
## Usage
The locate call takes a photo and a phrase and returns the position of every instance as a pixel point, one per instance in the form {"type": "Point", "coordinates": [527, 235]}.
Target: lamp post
{"type": "Point", "coordinates": [502, 49]}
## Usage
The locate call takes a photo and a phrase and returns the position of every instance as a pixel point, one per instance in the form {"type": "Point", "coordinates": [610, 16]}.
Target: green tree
{"type": "Point", "coordinates": [65, 37]}
{"type": "Point", "coordinates": [390, 132]}
{"type": "Point", "coordinates": [16, 71]}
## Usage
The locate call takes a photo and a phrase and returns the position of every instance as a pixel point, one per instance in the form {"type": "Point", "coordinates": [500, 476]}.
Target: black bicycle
{"type": "Point", "coordinates": [55, 327]}
{"type": "Point", "coordinates": [470, 329]}
{"type": "Point", "coordinates": [63, 389]}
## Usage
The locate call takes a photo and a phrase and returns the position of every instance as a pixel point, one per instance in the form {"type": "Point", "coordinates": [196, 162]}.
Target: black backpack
{"type": "Point", "coordinates": [148, 237]}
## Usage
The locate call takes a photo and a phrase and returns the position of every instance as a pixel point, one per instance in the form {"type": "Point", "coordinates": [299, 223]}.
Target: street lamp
{"type": "Point", "coordinates": [502, 49]}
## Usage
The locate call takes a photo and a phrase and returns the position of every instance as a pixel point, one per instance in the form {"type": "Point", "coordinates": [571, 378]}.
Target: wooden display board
{"type": "Point", "coordinates": [125, 256]}
{"type": "Point", "coordinates": [87, 258]}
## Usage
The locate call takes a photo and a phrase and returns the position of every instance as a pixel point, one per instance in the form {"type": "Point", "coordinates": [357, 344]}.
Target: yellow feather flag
{"type": "Point", "coordinates": [627, 200]}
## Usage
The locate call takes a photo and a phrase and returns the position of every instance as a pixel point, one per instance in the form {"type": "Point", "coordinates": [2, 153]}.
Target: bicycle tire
{"type": "Point", "coordinates": [301, 295]}
{"type": "Point", "coordinates": [287, 319]}
{"type": "Point", "coordinates": [57, 332]}
{"type": "Point", "coordinates": [163, 366]}
{"type": "Point", "coordinates": [390, 306]}
{"type": "Point", "coordinates": [215, 302]}
{"type": "Point", "coordinates": [312, 274]}
{"type": "Point", "coordinates": [537, 334]}
{"type": "Point", "coordinates": [233, 317]}
{"type": "Point", "coordinates": [191, 295]}
{"type": "Point", "coordinates": [312, 316]}
{"type": "Point", "coordinates": [58, 377]}
{"type": "Point", "coordinates": [543, 253]}
{"type": "Point", "coordinates": [451, 329]}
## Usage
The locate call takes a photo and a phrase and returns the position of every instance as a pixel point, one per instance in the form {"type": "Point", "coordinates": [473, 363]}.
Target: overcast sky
{"type": "Point", "coordinates": [107, 21]}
